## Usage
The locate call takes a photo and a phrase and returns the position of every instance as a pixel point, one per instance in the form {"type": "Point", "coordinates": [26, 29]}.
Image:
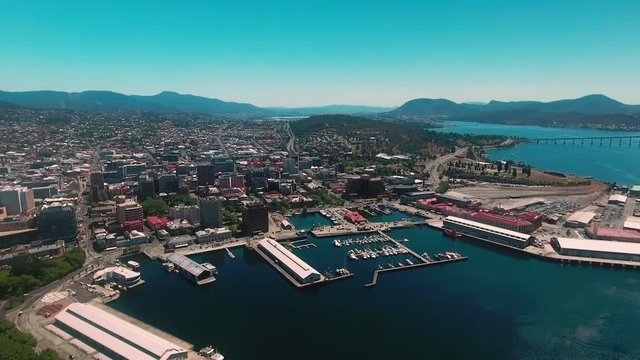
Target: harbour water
{"type": "Point", "coordinates": [613, 163]}
{"type": "Point", "coordinates": [497, 305]}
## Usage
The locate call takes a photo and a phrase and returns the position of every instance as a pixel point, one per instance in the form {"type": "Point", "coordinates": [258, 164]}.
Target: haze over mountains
{"type": "Point", "coordinates": [168, 102]}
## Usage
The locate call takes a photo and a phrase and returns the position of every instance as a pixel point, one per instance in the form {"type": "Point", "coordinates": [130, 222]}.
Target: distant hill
{"type": "Point", "coordinates": [330, 110]}
{"type": "Point", "coordinates": [199, 104]}
{"type": "Point", "coordinates": [430, 108]}
{"type": "Point", "coordinates": [590, 105]}
{"type": "Point", "coordinates": [409, 137]}
{"type": "Point", "coordinates": [8, 105]}
{"type": "Point", "coordinates": [111, 101]}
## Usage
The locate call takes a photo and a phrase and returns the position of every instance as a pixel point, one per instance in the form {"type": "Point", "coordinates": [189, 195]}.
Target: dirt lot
{"type": "Point", "coordinates": [492, 194]}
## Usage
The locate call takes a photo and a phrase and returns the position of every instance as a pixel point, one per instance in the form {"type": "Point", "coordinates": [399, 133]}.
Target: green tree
{"type": "Point", "coordinates": [154, 206]}
{"type": "Point", "coordinates": [443, 186]}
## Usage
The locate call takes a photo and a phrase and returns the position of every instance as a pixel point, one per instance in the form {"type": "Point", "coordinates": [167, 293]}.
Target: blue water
{"type": "Point", "coordinates": [496, 305]}
{"type": "Point", "coordinates": [307, 221]}
{"type": "Point", "coordinates": [607, 163]}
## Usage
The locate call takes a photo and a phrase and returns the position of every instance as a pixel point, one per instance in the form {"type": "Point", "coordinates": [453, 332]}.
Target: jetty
{"type": "Point", "coordinates": [374, 280]}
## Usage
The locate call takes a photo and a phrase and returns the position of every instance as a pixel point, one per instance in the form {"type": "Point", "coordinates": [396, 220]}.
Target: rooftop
{"type": "Point", "coordinates": [618, 247]}
{"type": "Point", "coordinates": [187, 264]}
{"type": "Point", "coordinates": [289, 259]}
{"type": "Point", "coordinates": [498, 230]}
{"type": "Point", "coordinates": [118, 335]}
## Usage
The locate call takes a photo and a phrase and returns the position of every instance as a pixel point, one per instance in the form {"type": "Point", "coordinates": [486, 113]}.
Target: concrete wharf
{"type": "Point", "coordinates": [374, 280]}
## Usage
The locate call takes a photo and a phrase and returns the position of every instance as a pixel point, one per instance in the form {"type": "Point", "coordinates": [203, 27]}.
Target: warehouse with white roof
{"type": "Point", "coordinates": [199, 273]}
{"type": "Point", "coordinates": [113, 337]}
{"type": "Point", "coordinates": [580, 219]}
{"type": "Point", "coordinates": [292, 264]}
{"type": "Point", "coordinates": [486, 232]}
{"type": "Point", "coordinates": [602, 249]}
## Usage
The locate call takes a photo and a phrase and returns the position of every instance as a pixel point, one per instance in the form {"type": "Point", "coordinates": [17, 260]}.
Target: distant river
{"type": "Point", "coordinates": [613, 163]}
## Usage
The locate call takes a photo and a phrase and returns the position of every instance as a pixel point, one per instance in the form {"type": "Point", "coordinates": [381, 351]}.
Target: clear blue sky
{"type": "Point", "coordinates": [291, 53]}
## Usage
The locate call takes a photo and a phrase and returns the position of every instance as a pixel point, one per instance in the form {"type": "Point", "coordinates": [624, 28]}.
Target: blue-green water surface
{"type": "Point", "coordinates": [612, 163]}
{"type": "Point", "coordinates": [496, 305]}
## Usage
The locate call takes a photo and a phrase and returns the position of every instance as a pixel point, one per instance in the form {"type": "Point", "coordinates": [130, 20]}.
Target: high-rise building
{"type": "Point", "coordinates": [97, 180]}
{"type": "Point", "coordinates": [226, 181]}
{"type": "Point", "coordinates": [189, 213]}
{"type": "Point", "coordinates": [223, 164]}
{"type": "Point", "coordinates": [364, 186]}
{"type": "Point", "coordinates": [146, 187]}
{"type": "Point", "coordinates": [290, 166]}
{"type": "Point", "coordinates": [133, 169]}
{"type": "Point", "coordinates": [255, 217]}
{"type": "Point", "coordinates": [129, 211]}
{"type": "Point", "coordinates": [43, 192]}
{"type": "Point", "coordinates": [206, 174]}
{"type": "Point", "coordinates": [168, 183]}
{"type": "Point", "coordinates": [17, 200]}
{"type": "Point", "coordinates": [57, 222]}
{"type": "Point", "coordinates": [210, 212]}
{"type": "Point", "coordinates": [97, 185]}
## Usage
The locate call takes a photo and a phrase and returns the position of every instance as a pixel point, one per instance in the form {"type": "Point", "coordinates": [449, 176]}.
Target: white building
{"type": "Point", "coordinates": [617, 199]}
{"type": "Point", "coordinates": [17, 200]}
{"type": "Point", "coordinates": [489, 233]}
{"type": "Point", "coordinates": [295, 266]}
{"type": "Point", "coordinates": [108, 336]}
{"type": "Point", "coordinates": [580, 219]}
{"type": "Point", "coordinates": [119, 275]}
{"type": "Point", "coordinates": [189, 213]}
{"type": "Point", "coordinates": [213, 235]}
{"type": "Point", "coordinates": [603, 249]}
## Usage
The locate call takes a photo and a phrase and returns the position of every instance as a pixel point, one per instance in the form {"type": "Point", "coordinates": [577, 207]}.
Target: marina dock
{"type": "Point", "coordinates": [374, 280]}
{"type": "Point", "coordinates": [344, 230]}
{"type": "Point", "coordinates": [400, 245]}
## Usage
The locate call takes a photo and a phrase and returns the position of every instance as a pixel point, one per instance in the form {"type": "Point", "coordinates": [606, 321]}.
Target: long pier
{"type": "Point", "coordinates": [374, 280]}
{"type": "Point", "coordinates": [590, 140]}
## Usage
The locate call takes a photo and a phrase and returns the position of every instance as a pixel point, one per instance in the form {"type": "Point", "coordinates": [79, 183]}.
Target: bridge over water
{"type": "Point", "coordinates": [590, 140]}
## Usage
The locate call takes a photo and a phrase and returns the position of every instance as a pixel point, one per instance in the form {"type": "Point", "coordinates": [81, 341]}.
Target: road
{"type": "Point", "coordinates": [432, 168]}
{"type": "Point", "coordinates": [291, 144]}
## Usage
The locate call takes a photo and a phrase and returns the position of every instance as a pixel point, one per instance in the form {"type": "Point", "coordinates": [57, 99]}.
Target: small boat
{"type": "Point", "coordinates": [133, 265]}
{"type": "Point", "coordinates": [409, 262]}
{"type": "Point", "coordinates": [168, 266]}
{"type": "Point", "coordinates": [211, 353]}
{"type": "Point", "coordinates": [337, 243]}
{"type": "Point", "coordinates": [452, 233]}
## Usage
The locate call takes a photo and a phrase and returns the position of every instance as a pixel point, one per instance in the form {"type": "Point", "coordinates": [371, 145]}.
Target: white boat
{"type": "Point", "coordinates": [211, 353]}
{"type": "Point", "coordinates": [168, 266]}
{"type": "Point", "coordinates": [337, 243]}
{"type": "Point", "coordinates": [135, 266]}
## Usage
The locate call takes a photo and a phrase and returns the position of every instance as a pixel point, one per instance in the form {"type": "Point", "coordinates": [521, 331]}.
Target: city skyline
{"type": "Point", "coordinates": [310, 54]}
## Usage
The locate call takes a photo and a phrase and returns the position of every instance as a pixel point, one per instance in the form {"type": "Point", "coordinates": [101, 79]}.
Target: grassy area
{"type": "Point", "coordinates": [31, 273]}
{"type": "Point", "coordinates": [15, 345]}
{"type": "Point", "coordinates": [508, 173]}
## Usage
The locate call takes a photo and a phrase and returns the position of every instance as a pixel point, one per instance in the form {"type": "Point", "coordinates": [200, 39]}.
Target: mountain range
{"type": "Point", "coordinates": [164, 102]}
{"type": "Point", "coordinates": [591, 107]}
